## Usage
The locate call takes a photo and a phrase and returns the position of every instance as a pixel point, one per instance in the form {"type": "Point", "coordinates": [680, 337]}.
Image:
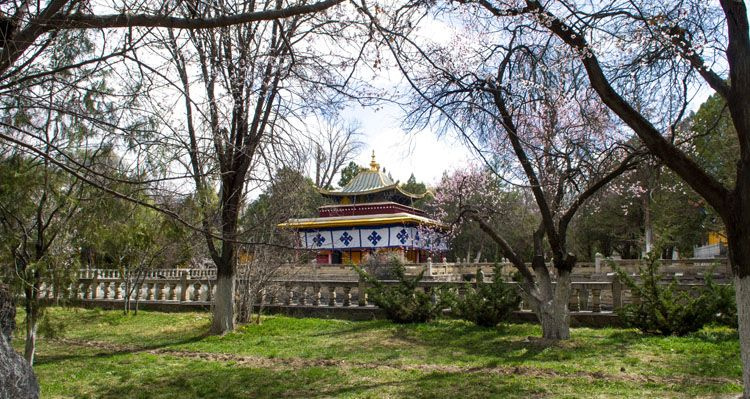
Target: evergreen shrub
{"type": "Point", "coordinates": [487, 304]}
{"type": "Point", "coordinates": [403, 302]}
{"type": "Point", "coordinates": [666, 309]}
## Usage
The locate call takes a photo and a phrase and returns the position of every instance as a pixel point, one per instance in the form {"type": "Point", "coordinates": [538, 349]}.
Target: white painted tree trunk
{"type": "Point", "coordinates": [742, 288]}
{"type": "Point", "coordinates": [552, 310]}
{"type": "Point", "coordinates": [30, 345]}
{"type": "Point", "coordinates": [223, 320]}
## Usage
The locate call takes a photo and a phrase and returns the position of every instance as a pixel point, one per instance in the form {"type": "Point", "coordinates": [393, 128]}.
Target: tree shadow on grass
{"type": "Point", "coordinates": [207, 379]}
{"type": "Point", "coordinates": [103, 352]}
{"type": "Point", "coordinates": [437, 342]}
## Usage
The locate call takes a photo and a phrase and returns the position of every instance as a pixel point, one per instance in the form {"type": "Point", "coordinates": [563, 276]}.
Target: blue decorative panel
{"type": "Point", "coordinates": [402, 236]}
{"type": "Point", "coordinates": [318, 240]}
{"type": "Point", "coordinates": [374, 237]}
{"type": "Point", "coordinates": [346, 238]}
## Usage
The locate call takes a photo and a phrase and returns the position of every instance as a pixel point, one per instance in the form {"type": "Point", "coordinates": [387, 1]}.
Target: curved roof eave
{"type": "Point", "coordinates": [393, 186]}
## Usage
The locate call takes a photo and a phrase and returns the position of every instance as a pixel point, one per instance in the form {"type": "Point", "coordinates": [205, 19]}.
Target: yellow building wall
{"type": "Point", "coordinates": [351, 257]}
{"type": "Point", "coordinates": [716, 237]}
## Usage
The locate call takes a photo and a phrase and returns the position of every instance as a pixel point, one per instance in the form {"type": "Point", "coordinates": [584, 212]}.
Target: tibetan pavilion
{"type": "Point", "coordinates": [371, 213]}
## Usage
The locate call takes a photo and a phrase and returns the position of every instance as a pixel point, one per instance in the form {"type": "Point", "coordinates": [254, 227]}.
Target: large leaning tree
{"type": "Point", "coordinates": [530, 114]}
{"type": "Point", "coordinates": [646, 60]}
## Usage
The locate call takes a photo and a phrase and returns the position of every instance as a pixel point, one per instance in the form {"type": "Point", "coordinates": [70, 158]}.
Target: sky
{"type": "Point", "coordinates": [402, 153]}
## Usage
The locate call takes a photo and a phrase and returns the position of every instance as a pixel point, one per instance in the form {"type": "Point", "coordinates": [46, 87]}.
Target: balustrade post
{"type": "Point", "coordinates": [347, 296]}
{"type": "Point", "coordinates": [583, 298]}
{"type": "Point", "coordinates": [196, 292]}
{"type": "Point", "coordinates": [149, 291]}
{"type": "Point", "coordinates": [172, 291]}
{"type": "Point", "coordinates": [316, 295]}
{"type": "Point", "coordinates": [598, 258]}
{"type": "Point", "coordinates": [160, 291]}
{"type": "Point", "coordinates": [95, 284]}
{"type": "Point", "coordinates": [289, 295]}
{"type": "Point", "coordinates": [137, 292]}
{"type": "Point", "coordinates": [209, 292]}
{"type": "Point", "coordinates": [616, 293]}
{"type": "Point", "coordinates": [362, 291]}
{"type": "Point", "coordinates": [117, 292]}
{"type": "Point", "coordinates": [105, 293]}
{"type": "Point", "coordinates": [332, 297]}
{"type": "Point", "coordinates": [596, 300]}
{"type": "Point", "coordinates": [573, 302]}
{"type": "Point", "coordinates": [302, 294]}
{"type": "Point", "coordinates": [183, 286]}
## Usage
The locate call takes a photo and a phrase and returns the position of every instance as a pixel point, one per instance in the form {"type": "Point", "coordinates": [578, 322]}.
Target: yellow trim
{"type": "Point", "coordinates": [327, 222]}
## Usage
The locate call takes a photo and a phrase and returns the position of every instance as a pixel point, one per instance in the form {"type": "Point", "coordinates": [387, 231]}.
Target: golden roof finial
{"type": "Point", "coordinates": [374, 166]}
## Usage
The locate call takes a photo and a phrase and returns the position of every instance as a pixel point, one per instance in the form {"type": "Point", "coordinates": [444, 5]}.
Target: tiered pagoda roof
{"type": "Point", "coordinates": [371, 185]}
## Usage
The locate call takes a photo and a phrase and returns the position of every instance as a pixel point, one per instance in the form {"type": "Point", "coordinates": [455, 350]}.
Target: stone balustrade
{"type": "Point", "coordinates": [602, 269]}
{"type": "Point", "coordinates": [593, 294]}
{"type": "Point", "coordinates": [106, 285]}
{"type": "Point", "coordinates": [99, 285]}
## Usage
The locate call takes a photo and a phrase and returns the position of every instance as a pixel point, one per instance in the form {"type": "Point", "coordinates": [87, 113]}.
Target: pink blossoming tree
{"type": "Point", "coordinates": [537, 125]}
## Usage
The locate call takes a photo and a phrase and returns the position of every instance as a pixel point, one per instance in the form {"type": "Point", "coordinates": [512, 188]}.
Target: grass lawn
{"type": "Point", "coordinates": [162, 355]}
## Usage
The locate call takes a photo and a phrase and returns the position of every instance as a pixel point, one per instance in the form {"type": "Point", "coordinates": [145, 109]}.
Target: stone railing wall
{"type": "Point", "coordinates": [446, 271]}
{"type": "Point", "coordinates": [594, 293]}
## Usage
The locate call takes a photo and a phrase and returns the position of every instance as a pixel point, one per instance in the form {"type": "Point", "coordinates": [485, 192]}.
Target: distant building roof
{"type": "Point", "coordinates": [369, 181]}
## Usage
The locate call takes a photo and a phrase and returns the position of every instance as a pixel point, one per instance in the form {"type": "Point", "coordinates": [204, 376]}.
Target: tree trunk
{"type": "Point", "coordinates": [742, 289]}
{"type": "Point", "coordinates": [555, 322]}
{"type": "Point", "coordinates": [737, 222]}
{"type": "Point", "coordinates": [554, 315]}
{"type": "Point", "coordinates": [223, 317]}
{"type": "Point", "coordinates": [126, 302]}
{"type": "Point", "coordinates": [32, 314]}
{"type": "Point", "coordinates": [552, 312]}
